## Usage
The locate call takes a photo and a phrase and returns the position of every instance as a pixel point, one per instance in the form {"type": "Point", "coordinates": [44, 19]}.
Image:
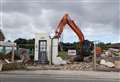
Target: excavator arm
{"type": "Point", "coordinates": [66, 20]}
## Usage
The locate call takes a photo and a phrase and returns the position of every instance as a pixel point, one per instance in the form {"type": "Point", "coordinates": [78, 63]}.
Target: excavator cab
{"type": "Point", "coordinates": [87, 49]}
{"type": "Point", "coordinates": [88, 46]}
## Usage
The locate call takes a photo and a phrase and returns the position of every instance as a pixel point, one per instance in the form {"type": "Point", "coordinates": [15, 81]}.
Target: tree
{"type": "Point", "coordinates": [24, 43]}
{"type": "Point", "coordinates": [103, 45]}
{"type": "Point", "coordinates": [20, 41]}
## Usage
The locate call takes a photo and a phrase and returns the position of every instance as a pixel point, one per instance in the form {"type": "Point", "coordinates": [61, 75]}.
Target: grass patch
{"type": "Point", "coordinates": [63, 55]}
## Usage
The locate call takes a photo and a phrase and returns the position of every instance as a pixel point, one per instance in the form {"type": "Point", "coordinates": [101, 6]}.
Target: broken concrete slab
{"type": "Point", "coordinates": [59, 61]}
{"type": "Point", "coordinates": [1, 65]}
{"type": "Point", "coordinates": [7, 61]}
{"type": "Point", "coordinates": [110, 64]}
{"type": "Point", "coordinates": [107, 63]}
{"type": "Point", "coordinates": [13, 66]}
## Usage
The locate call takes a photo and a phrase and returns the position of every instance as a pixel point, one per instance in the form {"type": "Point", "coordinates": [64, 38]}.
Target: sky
{"type": "Point", "coordinates": [97, 19]}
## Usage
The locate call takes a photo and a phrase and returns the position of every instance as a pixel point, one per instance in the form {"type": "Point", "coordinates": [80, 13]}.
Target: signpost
{"type": "Point", "coordinates": [71, 52]}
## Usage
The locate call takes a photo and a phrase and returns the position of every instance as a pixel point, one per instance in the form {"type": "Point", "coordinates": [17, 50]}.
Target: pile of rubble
{"type": "Point", "coordinates": [8, 65]}
{"type": "Point", "coordinates": [109, 60]}
{"type": "Point", "coordinates": [19, 61]}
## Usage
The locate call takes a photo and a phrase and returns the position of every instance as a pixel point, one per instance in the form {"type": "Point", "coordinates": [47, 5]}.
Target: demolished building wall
{"type": "Point", "coordinates": [2, 37]}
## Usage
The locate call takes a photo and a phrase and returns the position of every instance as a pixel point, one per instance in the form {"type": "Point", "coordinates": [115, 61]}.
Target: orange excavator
{"type": "Point", "coordinates": [67, 20]}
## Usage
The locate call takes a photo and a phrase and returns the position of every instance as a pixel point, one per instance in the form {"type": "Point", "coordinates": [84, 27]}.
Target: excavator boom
{"type": "Point", "coordinates": [67, 20]}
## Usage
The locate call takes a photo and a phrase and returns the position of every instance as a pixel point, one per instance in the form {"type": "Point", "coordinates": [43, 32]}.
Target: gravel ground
{"type": "Point", "coordinates": [76, 66]}
{"type": "Point", "coordinates": [81, 66]}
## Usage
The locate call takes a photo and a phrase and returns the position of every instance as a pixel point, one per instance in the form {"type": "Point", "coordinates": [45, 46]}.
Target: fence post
{"type": "Point", "coordinates": [12, 59]}
{"type": "Point", "coordinates": [94, 57]}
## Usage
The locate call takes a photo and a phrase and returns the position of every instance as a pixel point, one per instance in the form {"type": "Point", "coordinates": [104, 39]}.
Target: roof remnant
{"type": "Point", "coordinates": [116, 45]}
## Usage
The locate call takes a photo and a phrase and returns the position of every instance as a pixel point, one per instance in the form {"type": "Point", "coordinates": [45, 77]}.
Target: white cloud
{"type": "Point", "coordinates": [98, 29]}
{"type": "Point", "coordinates": [96, 18]}
{"type": "Point", "coordinates": [22, 25]}
{"type": "Point", "coordinates": [15, 20]}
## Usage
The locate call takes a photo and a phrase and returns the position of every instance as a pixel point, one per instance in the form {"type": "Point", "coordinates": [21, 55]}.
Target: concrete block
{"type": "Point", "coordinates": [1, 65]}
{"type": "Point", "coordinates": [117, 64]}
{"type": "Point", "coordinates": [108, 64]}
